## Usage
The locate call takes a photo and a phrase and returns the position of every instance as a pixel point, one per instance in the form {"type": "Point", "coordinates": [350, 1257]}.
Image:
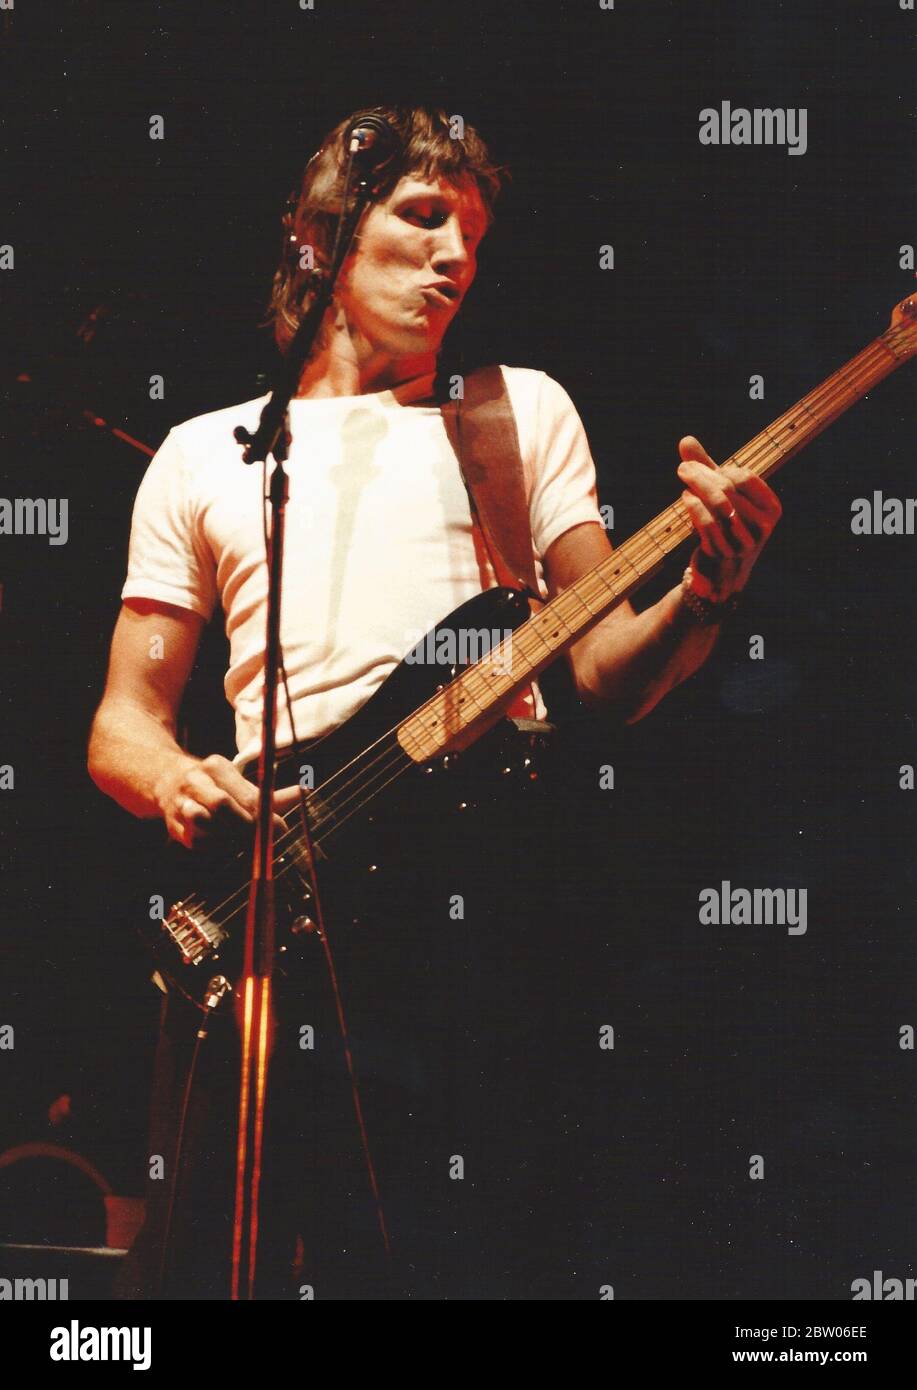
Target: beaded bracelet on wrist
{"type": "Point", "coordinates": [703, 610]}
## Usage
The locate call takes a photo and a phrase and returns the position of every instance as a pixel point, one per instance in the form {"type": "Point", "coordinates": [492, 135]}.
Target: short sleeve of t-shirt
{"type": "Point", "coordinates": [169, 558]}
{"type": "Point", "coordinates": [552, 439]}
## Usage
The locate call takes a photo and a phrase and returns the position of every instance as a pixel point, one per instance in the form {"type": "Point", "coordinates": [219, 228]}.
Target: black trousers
{"type": "Point", "coordinates": [446, 980]}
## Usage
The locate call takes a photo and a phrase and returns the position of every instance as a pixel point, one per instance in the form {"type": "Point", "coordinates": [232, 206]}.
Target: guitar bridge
{"type": "Point", "coordinates": [196, 936]}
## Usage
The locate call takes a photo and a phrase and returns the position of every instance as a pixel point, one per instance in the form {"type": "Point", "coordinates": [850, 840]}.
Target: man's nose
{"type": "Point", "coordinates": [451, 253]}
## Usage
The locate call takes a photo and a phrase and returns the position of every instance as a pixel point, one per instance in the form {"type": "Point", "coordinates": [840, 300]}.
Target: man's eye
{"type": "Point", "coordinates": [429, 218]}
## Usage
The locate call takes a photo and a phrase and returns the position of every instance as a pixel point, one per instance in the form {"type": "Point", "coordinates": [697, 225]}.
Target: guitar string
{"type": "Point", "coordinates": [373, 790]}
{"type": "Point", "coordinates": [474, 683]}
{"type": "Point", "coordinates": [538, 620]}
{"type": "Point", "coordinates": [823, 396]}
{"type": "Point", "coordinates": [764, 447]}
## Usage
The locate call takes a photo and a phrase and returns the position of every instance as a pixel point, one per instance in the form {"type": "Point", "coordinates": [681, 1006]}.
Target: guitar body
{"type": "Point", "coordinates": [200, 937]}
{"type": "Point", "coordinates": [410, 685]}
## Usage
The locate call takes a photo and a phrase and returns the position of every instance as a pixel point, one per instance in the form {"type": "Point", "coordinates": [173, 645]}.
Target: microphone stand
{"type": "Point", "coordinates": [271, 439]}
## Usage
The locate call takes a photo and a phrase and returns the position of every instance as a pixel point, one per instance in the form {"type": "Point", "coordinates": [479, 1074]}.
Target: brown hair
{"type": "Point", "coordinates": [426, 146]}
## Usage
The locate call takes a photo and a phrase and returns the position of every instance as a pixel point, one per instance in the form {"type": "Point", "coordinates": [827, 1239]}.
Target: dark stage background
{"type": "Point", "coordinates": [730, 1041]}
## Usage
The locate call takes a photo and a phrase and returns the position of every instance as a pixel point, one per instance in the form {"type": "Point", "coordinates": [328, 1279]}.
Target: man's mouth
{"type": "Point", "coordinates": [444, 294]}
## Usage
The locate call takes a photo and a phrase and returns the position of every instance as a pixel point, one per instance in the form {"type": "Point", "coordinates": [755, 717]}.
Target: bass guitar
{"type": "Point", "coordinates": [423, 713]}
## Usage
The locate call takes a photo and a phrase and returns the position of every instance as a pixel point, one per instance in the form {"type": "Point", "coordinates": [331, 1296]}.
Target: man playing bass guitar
{"type": "Point", "coordinates": [381, 538]}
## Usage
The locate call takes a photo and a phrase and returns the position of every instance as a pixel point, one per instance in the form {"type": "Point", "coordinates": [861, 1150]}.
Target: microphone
{"type": "Point", "coordinates": [370, 138]}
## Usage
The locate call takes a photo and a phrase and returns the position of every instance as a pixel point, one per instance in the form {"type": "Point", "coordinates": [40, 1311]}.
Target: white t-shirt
{"type": "Point", "coordinates": [379, 547]}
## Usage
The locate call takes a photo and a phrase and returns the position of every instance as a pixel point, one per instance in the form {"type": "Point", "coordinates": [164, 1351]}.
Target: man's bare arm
{"type": "Point", "coordinates": [133, 753]}
{"type": "Point", "coordinates": [132, 745]}
{"type": "Point", "coordinates": [629, 661]}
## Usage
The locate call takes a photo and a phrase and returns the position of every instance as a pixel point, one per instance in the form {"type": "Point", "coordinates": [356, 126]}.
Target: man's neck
{"type": "Point", "coordinates": [340, 368]}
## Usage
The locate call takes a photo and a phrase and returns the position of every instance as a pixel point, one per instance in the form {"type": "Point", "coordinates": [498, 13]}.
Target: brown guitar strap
{"type": "Point", "coordinates": [482, 431]}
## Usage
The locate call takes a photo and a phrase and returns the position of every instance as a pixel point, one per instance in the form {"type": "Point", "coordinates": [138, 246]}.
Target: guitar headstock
{"type": "Point", "coordinates": [904, 315]}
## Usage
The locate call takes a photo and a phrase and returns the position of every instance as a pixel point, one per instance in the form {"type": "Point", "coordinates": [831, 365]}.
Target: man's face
{"type": "Point", "coordinates": [413, 261]}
